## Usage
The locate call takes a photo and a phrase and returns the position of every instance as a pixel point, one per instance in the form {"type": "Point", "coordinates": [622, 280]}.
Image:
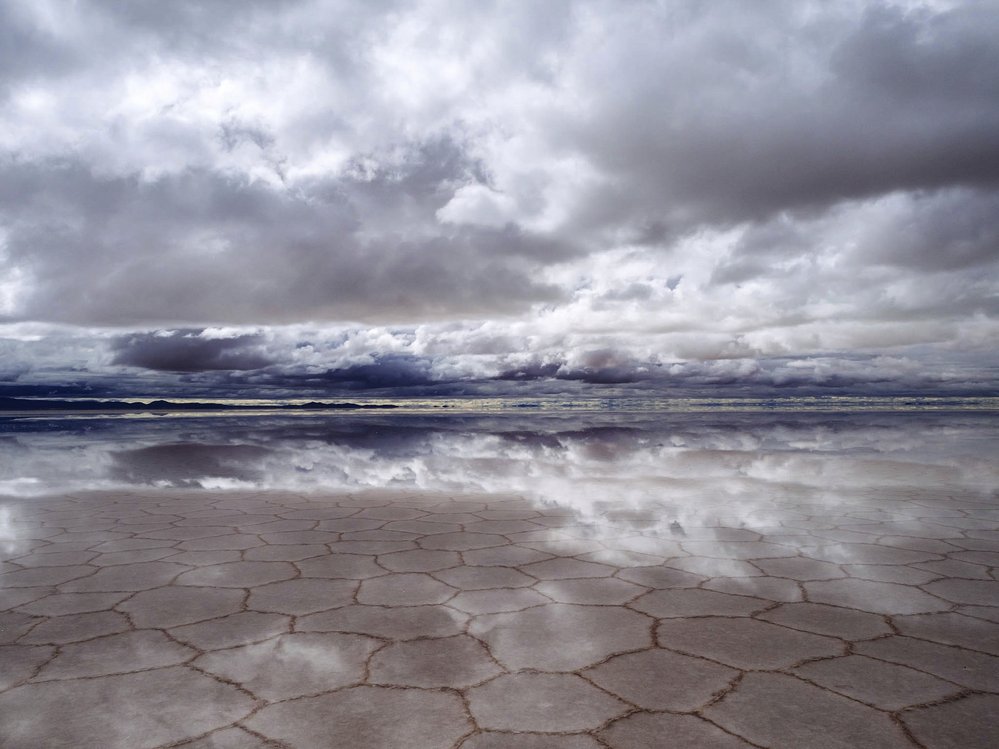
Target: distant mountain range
{"type": "Point", "coordinates": [32, 404]}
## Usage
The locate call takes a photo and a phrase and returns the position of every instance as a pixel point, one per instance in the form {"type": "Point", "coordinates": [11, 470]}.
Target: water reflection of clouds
{"type": "Point", "coordinates": [8, 531]}
{"type": "Point", "coordinates": [187, 464]}
{"type": "Point", "coordinates": [723, 465]}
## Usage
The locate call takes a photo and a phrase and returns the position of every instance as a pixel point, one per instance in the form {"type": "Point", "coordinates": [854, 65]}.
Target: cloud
{"type": "Point", "coordinates": [749, 111]}
{"type": "Point", "coordinates": [189, 351]}
{"type": "Point", "coordinates": [469, 194]}
{"type": "Point", "coordinates": [203, 247]}
{"type": "Point", "coordinates": [383, 372]}
{"type": "Point", "coordinates": [296, 362]}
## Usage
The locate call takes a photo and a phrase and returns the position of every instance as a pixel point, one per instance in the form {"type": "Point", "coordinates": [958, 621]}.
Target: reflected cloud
{"type": "Point", "coordinates": [8, 532]}
{"type": "Point", "coordinates": [683, 478]}
{"type": "Point", "coordinates": [188, 464]}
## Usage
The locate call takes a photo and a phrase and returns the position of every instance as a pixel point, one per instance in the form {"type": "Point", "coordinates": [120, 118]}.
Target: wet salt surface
{"type": "Point", "coordinates": [707, 581]}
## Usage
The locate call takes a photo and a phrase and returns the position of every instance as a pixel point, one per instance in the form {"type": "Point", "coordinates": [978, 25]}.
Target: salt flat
{"type": "Point", "coordinates": [843, 597]}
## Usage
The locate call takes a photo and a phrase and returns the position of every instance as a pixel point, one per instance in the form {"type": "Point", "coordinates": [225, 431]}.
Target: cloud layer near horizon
{"type": "Point", "coordinates": [335, 196]}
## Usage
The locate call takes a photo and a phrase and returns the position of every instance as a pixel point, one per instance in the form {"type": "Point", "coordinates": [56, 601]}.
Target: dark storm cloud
{"type": "Point", "coordinates": [418, 376]}
{"type": "Point", "coordinates": [933, 231]}
{"type": "Point", "coordinates": [948, 231]}
{"type": "Point", "coordinates": [774, 377]}
{"type": "Point", "coordinates": [385, 372]}
{"type": "Point", "coordinates": [200, 246]}
{"type": "Point", "coordinates": [189, 351]}
{"type": "Point", "coordinates": [606, 367]}
{"type": "Point", "coordinates": [778, 110]}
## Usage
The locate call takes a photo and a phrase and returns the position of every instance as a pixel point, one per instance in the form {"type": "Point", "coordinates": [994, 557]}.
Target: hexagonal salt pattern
{"type": "Point", "coordinates": [475, 622]}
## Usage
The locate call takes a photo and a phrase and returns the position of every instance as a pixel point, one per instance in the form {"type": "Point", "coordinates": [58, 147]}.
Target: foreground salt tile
{"type": "Point", "coordinates": [462, 541]}
{"type": "Point", "coordinates": [951, 629]}
{"type": "Point", "coordinates": [238, 574]}
{"type": "Point", "coordinates": [228, 738]}
{"type": "Point", "coordinates": [876, 597]}
{"type": "Point", "coordinates": [339, 565]}
{"type": "Point", "coordinates": [847, 624]}
{"type": "Point", "coordinates": [662, 680]}
{"type": "Point", "coordinates": [561, 637]}
{"type": "Point", "coordinates": [171, 606]}
{"type": "Point", "coordinates": [21, 662]}
{"type": "Point", "coordinates": [965, 667]}
{"type": "Point", "coordinates": [643, 730]}
{"type": "Point", "coordinates": [404, 589]}
{"type": "Point", "coordinates": [778, 710]}
{"type": "Point", "coordinates": [405, 623]}
{"type": "Point", "coordinates": [497, 601]}
{"type": "Point", "coordinates": [419, 560]}
{"type": "Point", "coordinates": [542, 702]}
{"type": "Point", "coordinates": [566, 569]}
{"type": "Point", "coordinates": [141, 576]}
{"type": "Point", "coordinates": [470, 577]}
{"type": "Point", "coordinates": [969, 723]}
{"type": "Point", "coordinates": [293, 665]}
{"type": "Point", "coordinates": [456, 662]}
{"type": "Point", "coordinates": [601, 590]}
{"type": "Point", "coordinates": [302, 596]}
{"type": "Point", "coordinates": [120, 712]}
{"type": "Point", "coordinates": [416, 719]}
{"type": "Point", "coordinates": [671, 604]}
{"type": "Point", "coordinates": [493, 740]}
{"type": "Point", "coordinates": [240, 628]}
{"type": "Point", "coordinates": [744, 643]}
{"type": "Point", "coordinates": [139, 650]}
{"type": "Point", "coordinates": [883, 685]}
{"type": "Point", "coordinates": [61, 630]}
{"type": "Point", "coordinates": [966, 591]}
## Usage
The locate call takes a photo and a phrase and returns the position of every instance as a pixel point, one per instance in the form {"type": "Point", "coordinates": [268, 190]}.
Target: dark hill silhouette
{"type": "Point", "coordinates": [30, 404]}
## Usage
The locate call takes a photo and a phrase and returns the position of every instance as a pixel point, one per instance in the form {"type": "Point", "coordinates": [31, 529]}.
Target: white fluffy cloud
{"type": "Point", "coordinates": [599, 190]}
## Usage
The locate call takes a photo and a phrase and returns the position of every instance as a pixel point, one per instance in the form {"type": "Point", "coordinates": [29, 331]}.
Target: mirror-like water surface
{"type": "Point", "coordinates": [560, 456]}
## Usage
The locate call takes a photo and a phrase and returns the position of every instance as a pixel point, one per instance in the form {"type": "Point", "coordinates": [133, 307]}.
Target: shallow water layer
{"type": "Point", "coordinates": [558, 580]}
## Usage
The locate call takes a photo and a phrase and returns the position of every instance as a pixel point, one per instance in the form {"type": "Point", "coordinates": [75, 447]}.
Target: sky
{"type": "Point", "coordinates": [265, 199]}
